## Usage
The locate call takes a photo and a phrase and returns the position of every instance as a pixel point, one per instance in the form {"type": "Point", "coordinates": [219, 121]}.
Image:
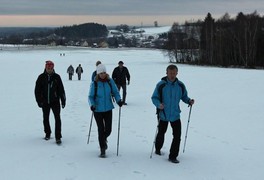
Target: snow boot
{"type": "Point", "coordinates": [102, 155]}
{"type": "Point", "coordinates": [158, 152]}
{"type": "Point", "coordinates": [58, 141]}
{"type": "Point", "coordinates": [174, 160]}
{"type": "Point", "coordinates": [47, 137]}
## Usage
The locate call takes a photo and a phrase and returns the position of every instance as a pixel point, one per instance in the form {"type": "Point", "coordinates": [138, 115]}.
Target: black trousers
{"type": "Point", "coordinates": [70, 76]}
{"type": "Point", "coordinates": [79, 76]}
{"type": "Point", "coordinates": [56, 112]}
{"type": "Point", "coordinates": [176, 131]}
{"type": "Point", "coordinates": [123, 86]}
{"type": "Point", "coordinates": [104, 125]}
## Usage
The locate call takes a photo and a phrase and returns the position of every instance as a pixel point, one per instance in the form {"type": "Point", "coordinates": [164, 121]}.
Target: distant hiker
{"type": "Point", "coordinates": [94, 73]}
{"type": "Point", "coordinates": [49, 91]}
{"type": "Point", "coordinates": [70, 71]}
{"type": "Point", "coordinates": [166, 97]}
{"type": "Point", "coordinates": [100, 101]}
{"type": "Point", "coordinates": [79, 71]}
{"type": "Point", "coordinates": [120, 75]}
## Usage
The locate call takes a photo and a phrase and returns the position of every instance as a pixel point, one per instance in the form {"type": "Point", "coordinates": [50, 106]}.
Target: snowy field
{"type": "Point", "coordinates": [225, 139]}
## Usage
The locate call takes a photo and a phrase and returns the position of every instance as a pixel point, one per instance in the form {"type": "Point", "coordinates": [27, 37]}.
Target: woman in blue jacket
{"type": "Point", "coordinates": [166, 97]}
{"type": "Point", "coordinates": [102, 90]}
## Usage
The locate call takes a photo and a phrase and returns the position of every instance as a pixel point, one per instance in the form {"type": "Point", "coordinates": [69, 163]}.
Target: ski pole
{"type": "Point", "coordinates": [154, 139]}
{"type": "Point", "coordinates": [118, 131]}
{"type": "Point", "coordinates": [187, 128]}
{"type": "Point", "coordinates": [90, 128]}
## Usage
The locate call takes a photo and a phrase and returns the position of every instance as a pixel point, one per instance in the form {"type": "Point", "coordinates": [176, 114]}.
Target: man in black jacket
{"type": "Point", "coordinates": [120, 75]}
{"type": "Point", "coordinates": [49, 91]}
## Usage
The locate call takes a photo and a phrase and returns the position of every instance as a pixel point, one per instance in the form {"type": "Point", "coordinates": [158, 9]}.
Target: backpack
{"type": "Point", "coordinates": [160, 88]}
{"type": "Point", "coordinates": [96, 87]}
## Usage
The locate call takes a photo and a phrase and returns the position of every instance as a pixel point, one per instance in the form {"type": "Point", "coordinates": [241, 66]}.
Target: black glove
{"type": "Point", "coordinates": [92, 108]}
{"type": "Point", "coordinates": [40, 104]}
{"type": "Point", "coordinates": [63, 104]}
{"type": "Point", "coordinates": [191, 102]}
{"type": "Point", "coordinates": [120, 103]}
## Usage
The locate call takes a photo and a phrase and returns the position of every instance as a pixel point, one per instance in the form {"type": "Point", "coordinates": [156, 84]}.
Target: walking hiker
{"type": "Point", "coordinates": [100, 100]}
{"type": "Point", "coordinates": [120, 75]}
{"type": "Point", "coordinates": [79, 71]}
{"type": "Point", "coordinates": [94, 73]}
{"type": "Point", "coordinates": [49, 91]}
{"type": "Point", "coordinates": [70, 71]}
{"type": "Point", "coordinates": [166, 97]}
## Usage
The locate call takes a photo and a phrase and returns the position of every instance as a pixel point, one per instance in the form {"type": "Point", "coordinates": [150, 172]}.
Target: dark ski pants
{"type": "Point", "coordinates": [124, 88]}
{"type": "Point", "coordinates": [70, 76]}
{"type": "Point", "coordinates": [176, 131]}
{"type": "Point", "coordinates": [56, 112]}
{"type": "Point", "coordinates": [104, 125]}
{"type": "Point", "coordinates": [79, 76]}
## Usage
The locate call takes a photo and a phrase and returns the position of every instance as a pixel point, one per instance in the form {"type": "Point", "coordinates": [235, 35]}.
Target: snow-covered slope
{"type": "Point", "coordinates": [225, 134]}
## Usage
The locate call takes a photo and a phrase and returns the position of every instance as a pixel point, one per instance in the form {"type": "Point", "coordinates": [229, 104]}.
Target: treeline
{"type": "Point", "coordinates": [223, 42]}
{"type": "Point", "coordinates": [87, 30]}
{"type": "Point", "coordinates": [48, 35]}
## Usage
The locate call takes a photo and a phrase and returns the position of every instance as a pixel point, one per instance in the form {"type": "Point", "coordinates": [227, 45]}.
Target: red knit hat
{"type": "Point", "coordinates": [49, 63]}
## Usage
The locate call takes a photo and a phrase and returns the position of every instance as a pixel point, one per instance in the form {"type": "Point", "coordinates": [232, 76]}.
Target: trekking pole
{"type": "Point", "coordinates": [155, 139]}
{"type": "Point", "coordinates": [187, 128]}
{"type": "Point", "coordinates": [118, 131]}
{"type": "Point", "coordinates": [90, 128]}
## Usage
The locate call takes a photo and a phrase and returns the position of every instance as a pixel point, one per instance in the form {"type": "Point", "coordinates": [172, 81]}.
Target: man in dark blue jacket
{"type": "Point", "coordinates": [49, 91]}
{"type": "Point", "coordinates": [166, 97]}
{"type": "Point", "coordinates": [120, 75]}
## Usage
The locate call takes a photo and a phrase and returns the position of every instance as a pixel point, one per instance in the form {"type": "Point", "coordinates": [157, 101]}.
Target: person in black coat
{"type": "Point", "coordinates": [120, 75]}
{"type": "Point", "coordinates": [70, 71]}
{"type": "Point", "coordinates": [79, 71]}
{"type": "Point", "coordinates": [49, 91]}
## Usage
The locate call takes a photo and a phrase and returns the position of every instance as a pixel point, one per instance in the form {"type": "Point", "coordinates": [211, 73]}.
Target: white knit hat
{"type": "Point", "coordinates": [100, 69]}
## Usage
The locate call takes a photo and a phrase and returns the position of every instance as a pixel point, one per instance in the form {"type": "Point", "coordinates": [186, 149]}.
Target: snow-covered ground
{"type": "Point", "coordinates": [143, 33]}
{"type": "Point", "coordinates": [225, 139]}
{"type": "Point", "coordinates": [156, 30]}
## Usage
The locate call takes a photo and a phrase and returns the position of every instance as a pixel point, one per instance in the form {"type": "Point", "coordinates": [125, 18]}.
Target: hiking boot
{"type": "Point", "coordinates": [174, 160]}
{"type": "Point", "coordinates": [58, 141]}
{"type": "Point", "coordinates": [102, 153]}
{"type": "Point", "coordinates": [158, 152]}
{"type": "Point", "coordinates": [47, 137]}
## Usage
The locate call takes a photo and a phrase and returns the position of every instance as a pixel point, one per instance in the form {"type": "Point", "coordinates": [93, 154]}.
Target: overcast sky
{"type": "Point", "coordinates": [110, 12]}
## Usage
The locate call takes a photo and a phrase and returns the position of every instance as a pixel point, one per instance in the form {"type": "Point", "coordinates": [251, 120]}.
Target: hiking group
{"type": "Point", "coordinates": [104, 91]}
{"type": "Point", "coordinates": [79, 71]}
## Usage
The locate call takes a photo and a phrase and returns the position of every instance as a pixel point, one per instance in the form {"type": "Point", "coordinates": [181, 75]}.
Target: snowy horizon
{"type": "Point", "coordinates": [224, 137]}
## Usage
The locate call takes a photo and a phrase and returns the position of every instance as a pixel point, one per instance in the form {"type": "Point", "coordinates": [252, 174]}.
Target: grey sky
{"type": "Point", "coordinates": [129, 7]}
{"type": "Point", "coordinates": [112, 12]}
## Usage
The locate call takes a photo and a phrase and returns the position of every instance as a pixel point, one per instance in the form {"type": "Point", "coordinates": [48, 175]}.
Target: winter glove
{"type": "Point", "coordinates": [120, 103]}
{"type": "Point", "coordinates": [92, 108]}
{"type": "Point", "coordinates": [63, 104]}
{"type": "Point", "coordinates": [40, 104]}
{"type": "Point", "coordinates": [191, 102]}
{"type": "Point", "coordinates": [128, 82]}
